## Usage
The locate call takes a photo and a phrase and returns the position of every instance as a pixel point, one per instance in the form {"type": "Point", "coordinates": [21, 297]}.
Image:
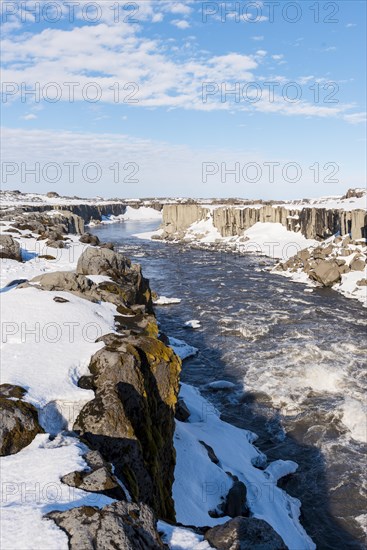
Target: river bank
{"type": "Point", "coordinates": [69, 320]}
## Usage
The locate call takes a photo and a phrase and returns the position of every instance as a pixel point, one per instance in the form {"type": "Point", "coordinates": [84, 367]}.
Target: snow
{"type": "Point", "coordinates": [200, 485]}
{"type": "Point", "coordinates": [274, 240]}
{"type": "Point", "coordinates": [181, 348]}
{"type": "Point", "coordinates": [203, 230]}
{"type": "Point", "coordinates": [349, 288]}
{"type": "Point", "coordinates": [179, 538]}
{"type": "Point", "coordinates": [164, 301]}
{"type": "Point", "coordinates": [193, 323]}
{"type": "Point", "coordinates": [142, 213]}
{"type": "Point", "coordinates": [31, 488]}
{"type": "Point", "coordinates": [58, 338]}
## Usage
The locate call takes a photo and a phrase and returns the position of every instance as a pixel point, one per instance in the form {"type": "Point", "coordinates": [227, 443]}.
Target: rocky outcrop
{"type": "Point", "coordinates": [9, 248]}
{"type": "Point", "coordinates": [123, 525]}
{"type": "Point", "coordinates": [131, 419]}
{"type": "Point", "coordinates": [129, 282]}
{"type": "Point", "coordinates": [329, 261]}
{"type": "Point", "coordinates": [19, 421]}
{"type": "Point", "coordinates": [244, 534]}
{"type": "Point", "coordinates": [313, 223]}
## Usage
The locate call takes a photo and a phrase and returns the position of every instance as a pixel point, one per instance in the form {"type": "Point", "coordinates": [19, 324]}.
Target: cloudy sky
{"type": "Point", "coordinates": [163, 98]}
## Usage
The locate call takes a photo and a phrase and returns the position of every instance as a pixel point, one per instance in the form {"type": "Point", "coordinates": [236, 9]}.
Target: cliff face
{"type": "Point", "coordinates": [89, 211]}
{"type": "Point", "coordinates": [313, 223]}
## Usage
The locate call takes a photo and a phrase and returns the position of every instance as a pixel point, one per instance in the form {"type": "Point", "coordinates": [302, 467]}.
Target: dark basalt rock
{"type": "Point", "coordinates": [131, 419]}
{"type": "Point", "coordinates": [122, 525]}
{"type": "Point", "coordinates": [18, 421]}
{"type": "Point", "coordinates": [244, 534]}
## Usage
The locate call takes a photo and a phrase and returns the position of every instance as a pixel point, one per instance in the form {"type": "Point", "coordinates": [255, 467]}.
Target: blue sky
{"type": "Point", "coordinates": [297, 70]}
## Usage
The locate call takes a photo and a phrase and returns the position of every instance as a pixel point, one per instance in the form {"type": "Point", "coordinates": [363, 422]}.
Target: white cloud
{"type": "Point", "coordinates": [262, 53]}
{"type": "Point", "coordinates": [356, 118]}
{"type": "Point", "coordinates": [179, 7]}
{"type": "Point", "coordinates": [257, 38]}
{"type": "Point", "coordinates": [181, 23]}
{"type": "Point", "coordinates": [350, 25]}
{"type": "Point", "coordinates": [277, 57]}
{"type": "Point", "coordinates": [29, 116]}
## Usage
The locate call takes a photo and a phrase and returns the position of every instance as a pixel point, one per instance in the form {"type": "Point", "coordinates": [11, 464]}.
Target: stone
{"type": "Point", "coordinates": [65, 281]}
{"type": "Point", "coordinates": [88, 238]}
{"type": "Point", "coordinates": [362, 282]}
{"type": "Point", "coordinates": [52, 195]}
{"type": "Point", "coordinates": [102, 261]}
{"type": "Point", "coordinates": [357, 264]}
{"type": "Point", "coordinates": [10, 248]}
{"type": "Point", "coordinates": [108, 245]}
{"type": "Point", "coordinates": [211, 454]}
{"type": "Point", "coordinates": [60, 300]}
{"type": "Point", "coordinates": [244, 534]}
{"type": "Point", "coordinates": [18, 424]}
{"type": "Point", "coordinates": [55, 244]}
{"type": "Point", "coordinates": [97, 479]}
{"type": "Point", "coordinates": [235, 504]}
{"type": "Point", "coordinates": [9, 390]}
{"type": "Point", "coordinates": [326, 272]}
{"type": "Point", "coordinates": [122, 525]}
{"type": "Point", "coordinates": [182, 412]}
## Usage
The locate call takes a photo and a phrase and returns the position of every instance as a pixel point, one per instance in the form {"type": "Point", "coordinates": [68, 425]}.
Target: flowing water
{"type": "Point", "coordinates": [297, 360]}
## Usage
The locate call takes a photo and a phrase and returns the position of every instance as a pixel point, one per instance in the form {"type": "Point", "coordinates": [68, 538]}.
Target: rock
{"type": "Point", "coordinates": [65, 281]}
{"type": "Point", "coordinates": [131, 419]}
{"type": "Point", "coordinates": [211, 454]}
{"type": "Point", "coordinates": [9, 390]}
{"type": "Point", "coordinates": [19, 423]}
{"type": "Point", "coordinates": [47, 257]}
{"type": "Point", "coordinates": [98, 479]}
{"type": "Point", "coordinates": [345, 252]}
{"type": "Point", "coordinates": [304, 254]}
{"type": "Point", "coordinates": [362, 282]}
{"type": "Point", "coordinates": [244, 534]}
{"type": "Point", "coordinates": [357, 264]}
{"type": "Point", "coordinates": [60, 300]}
{"type": "Point", "coordinates": [9, 248]}
{"type": "Point", "coordinates": [182, 412]}
{"type": "Point", "coordinates": [235, 504]}
{"type": "Point", "coordinates": [88, 238]}
{"type": "Point", "coordinates": [102, 261]}
{"type": "Point", "coordinates": [326, 272]}
{"type": "Point", "coordinates": [52, 195]}
{"type": "Point", "coordinates": [55, 244]}
{"type": "Point", "coordinates": [122, 525]}
{"type": "Point", "coordinates": [129, 284]}
{"type": "Point", "coordinates": [108, 245]}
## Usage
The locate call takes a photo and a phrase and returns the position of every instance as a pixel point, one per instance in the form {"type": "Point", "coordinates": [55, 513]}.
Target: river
{"type": "Point", "coordinates": [297, 359]}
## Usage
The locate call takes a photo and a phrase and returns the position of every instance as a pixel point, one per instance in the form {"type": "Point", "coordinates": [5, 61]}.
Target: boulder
{"type": "Point", "coordinates": [97, 479]}
{"type": "Point", "coordinates": [357, 264]}
{"type": "Point", "coordinates": [19, 423]}
{"type": "Point", "coordinates": [244, 534]}
{"type": "Point", "coordinates": [362, 282]}
{"type": "Point", "coordinates": [102, 261]}
{"type": "Point", "coordinates": [182, 412]}
{"type": "Point", "coordinates": [131, 419]}
{"type": "Point", "coordinates": [65, 281]}
{"type": "Point", "coordinates": [88, 238]}
{"type": "Point", "coordinates": [326, 272]}
{"type": "Point", "coordinates": [129, 285]}
{"type": "Point", "coordinates": [52, 195]}
{"type": "Point", "coordinates": [123, 525]}
{"type": "Point", "coordinates": [10, 248]}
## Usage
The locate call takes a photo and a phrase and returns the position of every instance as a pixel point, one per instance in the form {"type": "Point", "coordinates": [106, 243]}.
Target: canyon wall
{"type": "Point", "coordinates": [313, 223]}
